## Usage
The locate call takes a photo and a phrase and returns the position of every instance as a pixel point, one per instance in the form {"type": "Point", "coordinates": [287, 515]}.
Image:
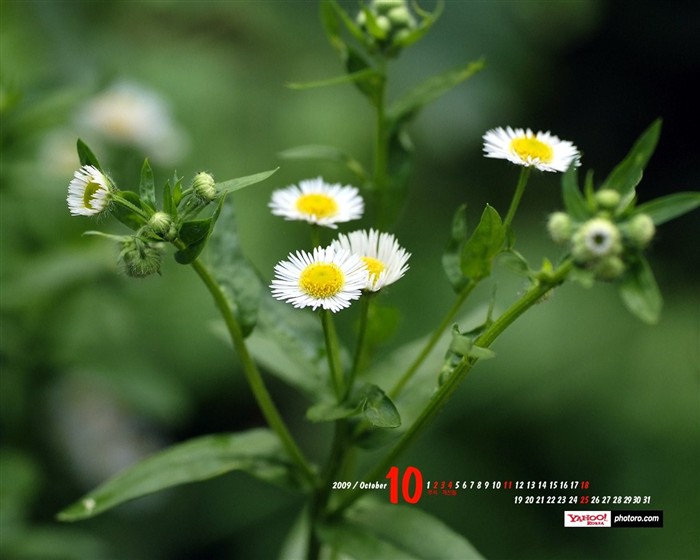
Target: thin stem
{"type": "Point", "coordinates": [257, 385]}
{"type": "Point", "coordinates": [361, 348]}
{"type": "Point", "coordinates": [124, 202]}
{"type": "Point", "coordinates": [437, 334]}
{"type": "Point", "coordinates": [381, 147]}
{"type": "Point", "coordinates": [530, 298]}
{"type": "Point", "coordinates": [333, 351]}
{"type": "Point", "coordinates": [517, 195]}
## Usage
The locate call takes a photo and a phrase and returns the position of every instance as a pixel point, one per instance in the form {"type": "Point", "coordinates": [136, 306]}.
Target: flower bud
{"type": "Point", "coordinates": [401, 17]}
{"type": "Point", "coordinates": [161, 224]}
{"type": "Point", "coordinates": [640, 230]}
{"type": "Point", "coordinates": [607, 198]}
{"type": "Point", "coordinates": [609, 268]}
{"type": "Point", "coordinates": [139, 258]}
{"type": "Point", "coordinates": [596, 239]}
{"type": "Point", "coordinates": [385, 6]}
{"type": "Point", "coordinates": [204, 186]}
{"type": "Point", "coordinates": [559, 227]}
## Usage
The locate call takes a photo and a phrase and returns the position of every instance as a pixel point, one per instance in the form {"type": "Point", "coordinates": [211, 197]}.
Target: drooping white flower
{"type": "Point", "coordinates": [386, 260]}
{"type": "Point", "coordinates": [318, 202]}
{"type": "Point", "coordinates": [89, 192]}
{"type": "Point", "coordinates": [327, 278]}
{"type": "Point", "coordinates": [543, 150]}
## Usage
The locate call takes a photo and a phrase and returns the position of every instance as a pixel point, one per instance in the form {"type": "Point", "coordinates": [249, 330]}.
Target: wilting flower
{"type": "Point", "coordinates": [326, 278]}
{"type": "Point", "coordinates": [543, 150]}
{"type": "Point", "coordinates": [317, 202]}
{"type": "Point", "coordinates": [89, 192]}
{"type": "Point", "coordinates": [385, 259]}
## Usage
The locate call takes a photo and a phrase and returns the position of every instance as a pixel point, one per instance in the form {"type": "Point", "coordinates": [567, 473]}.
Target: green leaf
{"type": "Point", "coordinates": [371, 82]}
{"type": "Point", "coordinates": [408, 106]}
{"type": "Point", "coordinates": [194, 235]}
{"type": "Point", "coordinates": [257, 452]}
{"type": "Point", "coordinates": [328, 153]}
{"type": "Point", "coordinates": [233, 272]}
{"type": "Point", "coordinates": [378, 408]}
{"type": "Point", "coordinates": [125, 215]}
{"type": "Point", "coordinates": [289, 344]}
{"type": "Point", "coordinates": [666, 208]}
{"type": "Point", "coordinates": [360, 75]}
{"type": "Point", "coordinates": [342, 16]}
{"type": "Point", "coordinates": [574, 202]}
{"type": "Point", "coordinates": [483, 245]}
{"type": "Point", "coordinates": [452, 256]}
{"type": "Point", "coordinates": [86, 156]}
{"type": "Point", "coordinates": [169, 206]}
{"type": "Point", "coordinates": [374, 530]}
{"type": "Point", "coordinates": [628, 173]}
{"type": "Point", "coordinates": [399, 168]}
{"type": "Point", "coordinates": [331, 25]}
{"type": "Point", "coordinates": [147, 188]}
{"type": "Point", "coordinates": [463, 345]}
{"type": "Point", "coordinates": [640, 293]}
{"type": "Point", "coordinates": [233, 185]}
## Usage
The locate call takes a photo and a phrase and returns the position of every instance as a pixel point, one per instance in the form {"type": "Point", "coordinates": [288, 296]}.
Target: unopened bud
{"type": "Point", "coordinates": [610, 268]}
{"type": "Point", "coordinates": [640, 230]}
{"type": "Point", "coordinates": [204, 186]}
{"type": "Point", "coordinates": [559, 227]}
{"type": "Point", "coordinates": [161, 224]}
{"type": "Point", "coordinates": [139, 258]}
{"type": "Point", "coordinates": [607, 198]}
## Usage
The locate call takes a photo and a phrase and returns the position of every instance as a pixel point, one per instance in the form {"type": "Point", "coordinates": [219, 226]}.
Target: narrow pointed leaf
{"type": "Point", "coordinates": [361, 75]}
{"type": "Point", "coordinates": [147, 188]}
{"type": "Point", "coordinates": [640, 293]}
{"type": "Point", "coordinates": [374, 530]}
{"type": "Point", "coordinates": [419, 32]}
{"type": "Point", "coordinates": [627, 174]}
{"type": "Point", "coordinates": [667, 208]}
{"type": "Point", "coordinates": [451, 258]}
{"type": "Point", "coordinates": [86, 156]}
{"type": "Point", "coordinates": [328, 153]}
{"type": "Point", "coordinates": [574, 202]}
{"type": "Point", "coordinates": [233, 185]}
{"type": "Point", "coordinates": [483, 245]}
{"type": "Point", "coordinates": [330, 411]}
{"type": "Point", "coordinates": [233, 272]}
{"type": "Point", "coordinates": [257, 452]}
{"type": "Point", "coordinates": [406, 108]}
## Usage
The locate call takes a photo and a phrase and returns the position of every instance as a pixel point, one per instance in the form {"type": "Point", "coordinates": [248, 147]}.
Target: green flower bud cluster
{"type": "Point", "coordinates": [140, 257]}
{"type": "Point", "coordinates": [606, 242]}
{"type": "Point", "coordinates": [387, 24]}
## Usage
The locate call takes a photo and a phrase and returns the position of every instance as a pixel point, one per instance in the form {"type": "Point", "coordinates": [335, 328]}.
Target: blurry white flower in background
{"type": "Point", "coordinates": [130, 114]}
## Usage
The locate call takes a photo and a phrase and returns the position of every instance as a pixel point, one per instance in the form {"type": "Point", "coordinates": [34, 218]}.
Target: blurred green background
{"type": "Point", "coordinates": [99, 369]}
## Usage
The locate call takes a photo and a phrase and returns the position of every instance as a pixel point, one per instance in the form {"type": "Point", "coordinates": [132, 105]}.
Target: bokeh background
{"type": "Point", "coordinates": [99, 369]}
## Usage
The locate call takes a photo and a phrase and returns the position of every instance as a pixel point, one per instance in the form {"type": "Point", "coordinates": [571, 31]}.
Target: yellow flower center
{"type": "Point", "coordinates": [319, 205]}
{"type": "Point", "coordinates": [321, 280]}
{"type": "Point", "coordinates": [375, 267]}
{"type": "Point", "coordinates": [90, 189]}
{"type": "Point", "coordinates": [529, 149]}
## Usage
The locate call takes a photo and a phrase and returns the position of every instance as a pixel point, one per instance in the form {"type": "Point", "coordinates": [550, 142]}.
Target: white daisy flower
{"type": "Point", "coordinates": [89, 192]}
{"type": "Point", "coordinates": [326, 278]}
{"type": "Point", "coordinates": [386, 260]}
{"type": "Point", "coordinates": [130, 114]}
{"type": "Point", "coordinates": [543, 150]}
{"type": "Point", "coordinates": [318, 202]}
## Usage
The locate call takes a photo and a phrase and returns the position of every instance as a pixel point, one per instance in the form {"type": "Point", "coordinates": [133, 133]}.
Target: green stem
{"type": "Point", "coordinates": [381, 147]}
{"type": "Point", "coordinates": [531, 297]}
{"type": "Point", "coordinates": [124, 202]}
{"type": "Point", "coordinates": [517, 195]}
{"type": "Point", "coordinates": [333, 351]}
{"type": "Point", "coordinates": [257, 385]}
{"type": "Point", "coordinates": [437, 334]}
{"type": "Point", "coordinates": [361, 348]}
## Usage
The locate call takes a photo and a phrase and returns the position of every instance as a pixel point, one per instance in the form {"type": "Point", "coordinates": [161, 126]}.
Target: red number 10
{"type": "Point", "coordinates": [410, 472]}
